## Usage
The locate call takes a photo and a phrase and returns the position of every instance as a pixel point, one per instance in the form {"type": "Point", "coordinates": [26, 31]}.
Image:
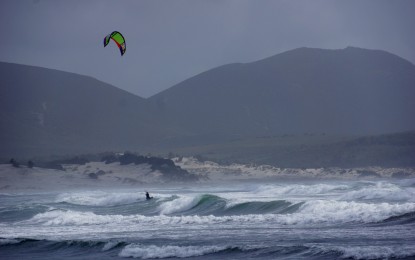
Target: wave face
{"type": "Point", "coordinates": [309, 220]}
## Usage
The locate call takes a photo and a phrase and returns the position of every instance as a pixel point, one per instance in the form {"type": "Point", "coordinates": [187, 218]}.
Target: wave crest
{"type": "Point", "coordinates": [309, 213]}
{"type": "Point", "coordinates": [381, 191]}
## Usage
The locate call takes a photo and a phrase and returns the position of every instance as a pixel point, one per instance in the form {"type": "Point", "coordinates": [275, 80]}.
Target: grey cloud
{"type": "Point", "coordinates": [169, 41]}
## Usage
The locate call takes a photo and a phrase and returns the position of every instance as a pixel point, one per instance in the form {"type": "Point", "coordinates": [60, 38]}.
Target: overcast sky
{"type": "Point", "coordinates": [171, 40]}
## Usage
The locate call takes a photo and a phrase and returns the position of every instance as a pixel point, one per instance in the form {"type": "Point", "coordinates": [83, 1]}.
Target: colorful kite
{"type": "Point", "coordinates": [118, 39]}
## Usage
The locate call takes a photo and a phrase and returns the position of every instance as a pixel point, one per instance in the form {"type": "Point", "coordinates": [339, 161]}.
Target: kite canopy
{"type": "Point", "coordinates": [118, 39]}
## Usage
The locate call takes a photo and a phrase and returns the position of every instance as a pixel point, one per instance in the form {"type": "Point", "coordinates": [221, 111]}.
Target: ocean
{"type": "Point", "coordinates": [335, 219]}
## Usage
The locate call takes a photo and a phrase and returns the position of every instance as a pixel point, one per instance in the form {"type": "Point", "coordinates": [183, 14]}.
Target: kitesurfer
{"type": "Point", "coordinates": [148, 196]}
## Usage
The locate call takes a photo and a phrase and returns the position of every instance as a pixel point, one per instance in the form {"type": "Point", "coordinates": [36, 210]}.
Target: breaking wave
{"type": "Point", "coordinates": [381, 191]}
{"type": "Point", "coordinates": [285, 213]}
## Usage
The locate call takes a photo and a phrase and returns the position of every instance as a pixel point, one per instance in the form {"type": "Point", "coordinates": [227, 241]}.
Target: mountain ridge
{"type": "Point", "coordinates": [248, 92]}
{"type": "Point", "coordinates": [351, 91]}
{"type": "Point", "coordinates": [50, 111]}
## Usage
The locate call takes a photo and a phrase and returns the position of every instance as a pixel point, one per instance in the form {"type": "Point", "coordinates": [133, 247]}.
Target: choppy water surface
{"type": "Point", "coordinates": [292, 220]}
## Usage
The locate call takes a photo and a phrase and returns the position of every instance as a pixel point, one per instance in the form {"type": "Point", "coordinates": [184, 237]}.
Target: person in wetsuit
{"type": "Point", "coordinates": [148, 196]}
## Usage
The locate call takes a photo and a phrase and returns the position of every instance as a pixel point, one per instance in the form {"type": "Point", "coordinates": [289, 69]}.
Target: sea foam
{"type": "Point", "coordinates": [298, 189]}
{"type": "Point", "coordinates": [375, 252]}
{"type": "Point", "coordinates": [381, 191]}
{"type": "Point", "coordinates": [152, 251]}
{"type": "Point", "coordinates": [99, 198]}
{"type": "Point", "coordinates": [9, 241]}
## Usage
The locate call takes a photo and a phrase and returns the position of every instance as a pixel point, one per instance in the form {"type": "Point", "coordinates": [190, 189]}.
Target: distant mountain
{"type": "Point", "coordinates": [44, 111]}
{"type": "Point", "coordinates": [306, 90]}
{"type": "Point", "coordinates": [303, 91]}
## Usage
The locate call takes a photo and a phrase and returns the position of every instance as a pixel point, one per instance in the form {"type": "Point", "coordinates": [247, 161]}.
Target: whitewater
{"type": "Point", "coordinates": [291, 219]}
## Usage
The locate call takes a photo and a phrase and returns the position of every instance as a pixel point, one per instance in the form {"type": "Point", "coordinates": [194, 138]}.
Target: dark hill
{"type": "Point", "coordinates": [347, 91]}
{"type": "Point", "coordinates": [300, 92]}
{"type": "Point", "coordinates": [44, 111]}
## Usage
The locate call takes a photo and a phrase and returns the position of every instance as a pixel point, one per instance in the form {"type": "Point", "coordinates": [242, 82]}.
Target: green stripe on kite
{"type": "Point", "coordinates": [118, 39]}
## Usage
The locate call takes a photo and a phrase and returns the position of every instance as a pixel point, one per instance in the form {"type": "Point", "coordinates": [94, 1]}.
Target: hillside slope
{"type": "Point", "coordinates": [347, 91]}
{"type": "Point", "coordinates": [44, 111]}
